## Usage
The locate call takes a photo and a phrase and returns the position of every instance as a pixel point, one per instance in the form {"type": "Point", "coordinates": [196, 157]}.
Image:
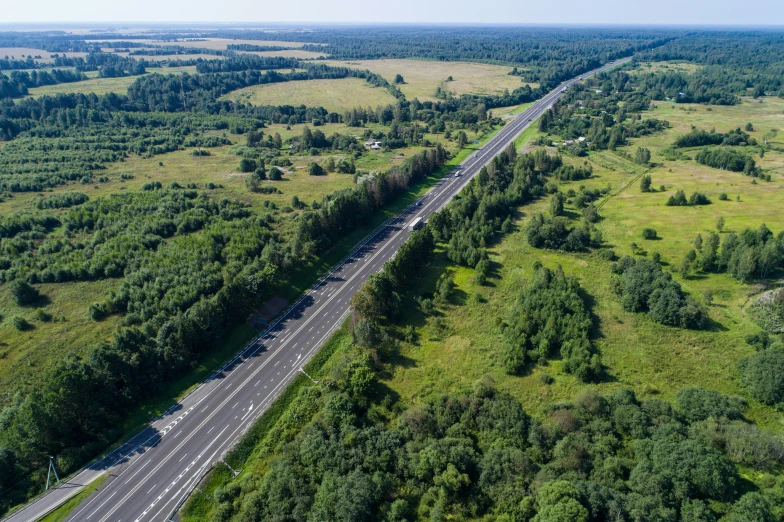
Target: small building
{"type": "Point", "coordinates": [581, 139]}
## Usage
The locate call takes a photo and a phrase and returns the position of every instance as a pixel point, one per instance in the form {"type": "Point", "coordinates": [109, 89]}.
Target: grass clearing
{"type": "Point", "coordinates": [334, 95]}
{"type": "Point", "coordinates": [26, 355]}
{"type": "Point", "coordinates": [422, 77]}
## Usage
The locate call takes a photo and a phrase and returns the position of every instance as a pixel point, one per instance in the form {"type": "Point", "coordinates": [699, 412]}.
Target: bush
{"type": "Point", "coordinates": [550, 314]}
{"type": "Point", "coordinates": [677, 200]}
{"type": "Point", "coordinates": [275, 174]}
{"type": "Point", "coordinates": [698, 198]}
{"type": "Point", "coordinates": [20, 323]}
{"type": "Point", "coordinates": [697, 404]}
{"type": "Point", "coordinates": [607, 254]}
{"type": "Point", "coordinates": [645, 183]}
{"type": "Point", "coordinates": [314, 169]}
{"type": "Point", "coordinates": [763, 375]}
{"type": "Point", "coordinates": [645, 287]}
{"type": "Point", "coordinates": [23, 292]}
{"type": "Point", "coordinates": [723, 196]}
{"type": "Point", "coordinates": [649, 233]}
{"type": "Point", "coordinates": [248, 165]}
{"type": "Point", "coordinates": [42, 315]}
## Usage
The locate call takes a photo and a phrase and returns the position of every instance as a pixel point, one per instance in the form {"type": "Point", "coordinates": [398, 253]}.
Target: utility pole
{"type": "Point", "coordinates": [49, 473]}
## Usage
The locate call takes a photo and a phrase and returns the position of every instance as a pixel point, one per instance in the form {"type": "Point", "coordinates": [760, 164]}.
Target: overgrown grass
{"type": "Point", "coordinates": [462, 342]}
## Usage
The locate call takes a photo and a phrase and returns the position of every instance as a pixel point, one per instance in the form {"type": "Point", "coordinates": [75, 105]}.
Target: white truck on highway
{"type": "Point", "coordinates": [416, 224]}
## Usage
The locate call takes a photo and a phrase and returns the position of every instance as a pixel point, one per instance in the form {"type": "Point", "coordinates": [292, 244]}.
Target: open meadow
{"type": "Point", "coordinates": [334, 95]}
{"type": "Point", "coordinates": [423, 77]}
{"type": "Point", "coordinates": [462, 344]}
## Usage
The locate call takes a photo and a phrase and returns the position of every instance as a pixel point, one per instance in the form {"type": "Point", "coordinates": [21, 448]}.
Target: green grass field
{"type": "Point", "coordinates": [95, 85]}
{"type": "Point", "coordinates": [424, 76]}
{"type": "Point", "coordinates": [334, 95]}
{"type": "Point", "coordinates": [464, 343]}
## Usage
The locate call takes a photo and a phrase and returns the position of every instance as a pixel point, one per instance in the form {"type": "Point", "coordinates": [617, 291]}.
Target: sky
{"type": "Point", "coordinates": [647, 12]}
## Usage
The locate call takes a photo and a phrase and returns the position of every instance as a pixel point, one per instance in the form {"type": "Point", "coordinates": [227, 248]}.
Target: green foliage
{"type": "Point", "coordinates": [642, 156]}
{"type": "Point", "coordinates": [729, 159]}
{"type": "Point", "coordinates": [679, 199]}
{"type": "Point", "coordinates": [645, 183]}
{"type": "Point", "coordinates": [698, 404]}
{"type": "Point", "coordinates": [645, 287]}
{"type": "Point", "coordinates": [314, 169]}
{"type": "Point", "coordinates": [699, 138]}
{"type": "Point", "coordinates": [550, 316]}
{"type": "Point", "coordinates": [649, 233]}
{"type": "Point", "coordinates": [248, 165]}
{"type": "Point", "coordinates": [556, 234]}
{"type": "Point", "coordinates": [24, 294]}
{"type": "Point", "coordinates": [763, 375]}
{"type": "Point", "coordinates": [748, 255]}
{"type": "Point", "coordinates": [20, 323]}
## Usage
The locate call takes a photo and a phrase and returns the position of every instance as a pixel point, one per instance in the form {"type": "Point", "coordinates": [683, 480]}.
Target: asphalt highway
{"type": "Point", "coordinates": [151, 474]}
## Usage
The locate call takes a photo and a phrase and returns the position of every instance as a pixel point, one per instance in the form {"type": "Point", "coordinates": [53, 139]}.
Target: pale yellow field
{"type": "Point", "coordinates": [292, 53]}
{"type": "Point", "coordinates": [423, 76]}
{"type": "Point", "coordinates": [21, 53]}
{"type": "Point", "coordinates": [333, 95]}
{"type": "Point", "coordinates": [210, 43]}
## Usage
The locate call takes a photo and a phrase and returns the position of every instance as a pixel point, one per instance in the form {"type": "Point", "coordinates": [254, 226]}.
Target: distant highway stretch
{"type": "Point", "coordinates": [150, 475]}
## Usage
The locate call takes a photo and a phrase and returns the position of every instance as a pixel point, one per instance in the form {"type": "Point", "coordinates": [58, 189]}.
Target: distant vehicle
{"type": "Point", "coordinates": [416, 224]}
{"type": "Point", "coordinates": [419, 203]}
{"type": "Point", "coordinates": [457, 174]}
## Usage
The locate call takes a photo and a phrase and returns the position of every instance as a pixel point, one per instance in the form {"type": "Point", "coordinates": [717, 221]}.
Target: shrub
{"type": "Point", "coordinates": [645, 183]}
{"type": "Point", "coordinates": [275, 174]}
{"type": "Point", "coordinates": [23, 292]}
{"type": "Point", "coordinates": [649, 233]}
{"type": "Point", "coordinates": [677, 200]}
{"type": "Point", "coordinates": [698, 198]}
{"type": "Point", "coordinates": [645, 287]}
{"type": "Point", "coordinates": [20, 323]}
{"type": "Point", "coordinates": [314, 169]}
{"type": "Point", "coordinates": [549, 315]}
{"type": "Point", "coordinates": [247, 165]}
{"type": "Point", "coordinates": [723, 196]}
{"type": "Point", "coordinates": [607, 254]}
{"type": "Point", "coordinates": [763, 375]}
{"type": "Point", "coordinates": [696, 404]}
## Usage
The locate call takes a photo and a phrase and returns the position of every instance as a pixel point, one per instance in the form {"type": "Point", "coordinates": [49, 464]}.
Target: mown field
{"type": "Point", "coordinates": [422, 77]}
{"type": "Point", "coordinates": [464, 343]}
{"type": "Point", "coordinates": [334, 95]}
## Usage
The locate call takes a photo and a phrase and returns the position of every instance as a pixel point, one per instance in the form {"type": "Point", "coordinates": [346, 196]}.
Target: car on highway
{"type": "Point", "coordinates": [419, 203]}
